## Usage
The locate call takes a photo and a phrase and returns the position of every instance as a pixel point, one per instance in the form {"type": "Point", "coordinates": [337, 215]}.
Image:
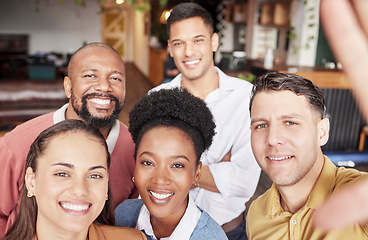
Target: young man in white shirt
{"type": "Point", "coordinates": [230, 173]}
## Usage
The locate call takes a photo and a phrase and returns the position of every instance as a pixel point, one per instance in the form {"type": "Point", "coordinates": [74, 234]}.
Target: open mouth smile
{"type": "Point", "coordinates": [161, 196]}
{"type": "Point", "coordinates": [191, 62]}
{"type": "Point", "coordinates": [279, 158]}
{"type": "Point", "coordinates": [75, 207]}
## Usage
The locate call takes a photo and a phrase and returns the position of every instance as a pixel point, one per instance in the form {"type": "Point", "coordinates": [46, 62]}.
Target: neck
{"type": "Point", "coordinates": [202, 86]}
{"type": "Point", "coordinates": [294, 197]}
{"type": "Point", "coordinates": [45, 233]}
{"type": "Point", "coordinates": [163, 228]}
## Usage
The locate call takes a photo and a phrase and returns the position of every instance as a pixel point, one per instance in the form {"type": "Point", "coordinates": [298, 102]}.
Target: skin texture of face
{"type": "Point", "coordinates": [95, 86]}
{"type": "Point", "coordinates": [70, 186]}
{"type": "Point", "coordinates": [192, 44]}
{"type": "Point", "coordinates": [286, 135]}
{"type": "Point", "coordinates": [165, 171]}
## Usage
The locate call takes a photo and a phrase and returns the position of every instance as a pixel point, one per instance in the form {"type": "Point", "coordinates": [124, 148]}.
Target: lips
{"type": "Point", "coordinates": [192, 63]}
{"type": "Point", "coordinates": [100, 101]}
{"type": "Point", "coordinates": [75, 208]}
{"type": "Point", "coordinates": [161, 196]}
{"type": "Point", "coordinates": [279, 158]}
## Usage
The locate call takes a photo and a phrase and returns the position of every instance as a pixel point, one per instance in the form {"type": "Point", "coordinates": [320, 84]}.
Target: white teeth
{"type": "Point", "coordinates": [100, 101]}
{"type": "Point", "coordinates": [161, 196]}
{"type": "Point", "coordinates": [75, 207]}
{"type": "Point", "coordinates": [192, 62]}
{"type": "Point", "coordinates": [279, 158]}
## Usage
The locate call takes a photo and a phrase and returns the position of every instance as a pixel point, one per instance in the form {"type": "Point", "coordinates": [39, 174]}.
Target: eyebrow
{"type": "Point", "coordinates": [197, 36]}
{"type": "Point", "coordinates": [173, 156]}
{"type": "Point", "coordinates": [68, 165]}
{"type": "Point", "coordinates": [95, 70]}
{"type": "Point", "coordinates": [292, 116]}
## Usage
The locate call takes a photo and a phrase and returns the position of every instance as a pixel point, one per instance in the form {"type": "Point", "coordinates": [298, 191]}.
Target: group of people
{"type": "Point", "coordinates": [192, 155]}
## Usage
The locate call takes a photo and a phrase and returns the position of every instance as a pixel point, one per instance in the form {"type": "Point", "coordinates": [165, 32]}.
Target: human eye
{"type": "Point", "coordinates": [198, 40]}
{"type": "Point", "coordinates": [95, 176]}
{"type": "Point", "coordinates": [177, 44]}
{"type": "Point", "coordinates": [89, 76]}
{"type": "Point", "coordinates": [62, 174]}
{"type": "Point", "coordinates": [290, 123]}
{"type": "Point", "coordinates": [178, 165]}
{"type": "Point", "coordinates": [146, 163]}
{"type": "Point", "coordinates": [260, 126]}
{"type": "Point", "coordinates": [116, 79]}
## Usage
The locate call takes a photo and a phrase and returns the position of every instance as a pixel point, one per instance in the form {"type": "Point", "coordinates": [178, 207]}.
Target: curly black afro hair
{"type": "Point", "coordinates": [176, 108]}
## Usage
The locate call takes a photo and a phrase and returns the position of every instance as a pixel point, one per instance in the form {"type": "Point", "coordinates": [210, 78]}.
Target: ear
{"type": "Point", "coordinates": [215, 42]}
{"type": "Point", "coordinates": [67, 86]}
{"type": "Point", "coordinates": [169, 46]}
{"type": "Point", "coordinates": [197, 174]}
{"type": "Point", "coordinates": [323, 131]}
{"type": "Point", "coordinates": [30, 180]}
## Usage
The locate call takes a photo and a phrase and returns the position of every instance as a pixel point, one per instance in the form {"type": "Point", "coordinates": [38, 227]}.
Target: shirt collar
{"type": "Point", "coordinates": [320, 192]}
{"type": "Point", "coordinates": [224, 83]}
{"type": "Point", "coordinates": [112, 138]}
{"type": "Point", "coordinates": [183, 230]}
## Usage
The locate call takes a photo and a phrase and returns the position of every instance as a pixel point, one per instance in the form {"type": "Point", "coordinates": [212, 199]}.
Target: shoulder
{"type": "Point", "coordinates": [26, 133]}
{"type": "Point", "coordinates": [124, 139]}
{"type": "Point", "coordinates": [207, 228]}
{"type": "Point", "coordinates": [126, 214]}
{"type": "Point", "coordinates": [124, 132]}
{"type": "Point", "coordinates": [175, 83]}
{"type": "Point", "coordinates": [347, 176]}
{"type": "Point", "coordinates": [259, 205]}
{"type": "Point", "coordinates": [234, 82]}
{"type": "Point", "coordinates": [97, 232]}
{"type": "Point", "coordinates": [35, 125]}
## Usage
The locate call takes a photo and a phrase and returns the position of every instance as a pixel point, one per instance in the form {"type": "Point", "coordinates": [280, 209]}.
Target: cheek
{"type": "Point", "coordinates": [256, 142]}
{"type": "Point", "coordinates": [99, 190]}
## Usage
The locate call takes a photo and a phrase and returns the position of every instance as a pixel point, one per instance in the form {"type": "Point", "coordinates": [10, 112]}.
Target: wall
{"type": "Point", "coordinates": [56, 27]}
{"type": "Point", "coordinates": [140, 45]}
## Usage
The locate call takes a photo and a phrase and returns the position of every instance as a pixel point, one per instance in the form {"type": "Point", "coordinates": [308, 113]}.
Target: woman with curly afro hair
{"type": "Point", "coordinates": [171, 129]}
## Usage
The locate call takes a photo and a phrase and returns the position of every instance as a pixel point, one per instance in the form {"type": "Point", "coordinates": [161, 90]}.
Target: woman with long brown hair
{"type": "Point", "coordinates": [65, 194]}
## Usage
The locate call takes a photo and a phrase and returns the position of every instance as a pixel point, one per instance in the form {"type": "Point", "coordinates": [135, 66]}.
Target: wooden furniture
{"type": "Point", "coordinates": [157, 58]}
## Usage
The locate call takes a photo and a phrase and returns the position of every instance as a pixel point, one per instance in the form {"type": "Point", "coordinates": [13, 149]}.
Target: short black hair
{"type": "Point", "coordinates": [275, 81]}
{"type": "Point", "coordinates": [173, 108]}
{"type": "Point", "coordinates": [188, 10]}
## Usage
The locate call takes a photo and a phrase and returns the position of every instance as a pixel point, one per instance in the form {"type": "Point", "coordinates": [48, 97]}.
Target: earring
{"type": "Point", "coordinates": [196, 184]}
{"type": "Point", "coordinates": [132, 179]}
{"type": "Point", "coordinates": [29, 194]}
{"type": "Point", "coordinates": [107, 198]}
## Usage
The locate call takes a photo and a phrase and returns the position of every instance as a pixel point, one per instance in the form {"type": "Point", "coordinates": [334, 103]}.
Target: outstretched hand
{"type": "Point", "coordinates": [345, 23]}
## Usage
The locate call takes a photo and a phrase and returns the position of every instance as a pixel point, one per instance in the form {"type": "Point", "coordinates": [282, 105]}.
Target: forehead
{"type": "Point", "coordinates": [76, 148]}
{"type": "Point", "coordinates": [97, 56]}
{"type": "Point", "coordinates": [189, 27]}
{"type": "Point", "coordinates": [280, 103]}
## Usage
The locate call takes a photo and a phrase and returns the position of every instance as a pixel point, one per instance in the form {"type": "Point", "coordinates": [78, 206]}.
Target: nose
{"type": "Point", "coordinates": [79, 187]}
{"type": "Point", "coordinates": [162, 176]}
{"type": "Point", "coordinates": [274, 135]}
{"type": "Point", "coordinates": [189, 49]}
{"type": "Point", "coordinates": [103, 84]}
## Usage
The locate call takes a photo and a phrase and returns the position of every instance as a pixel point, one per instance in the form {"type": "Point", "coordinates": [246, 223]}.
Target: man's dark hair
{"type": "Point", "coordinates": [188, 10]}
{"type": "Point", "coordinates": [274, 81]}
{"type": "Point", "coordinates": [173, 108]}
